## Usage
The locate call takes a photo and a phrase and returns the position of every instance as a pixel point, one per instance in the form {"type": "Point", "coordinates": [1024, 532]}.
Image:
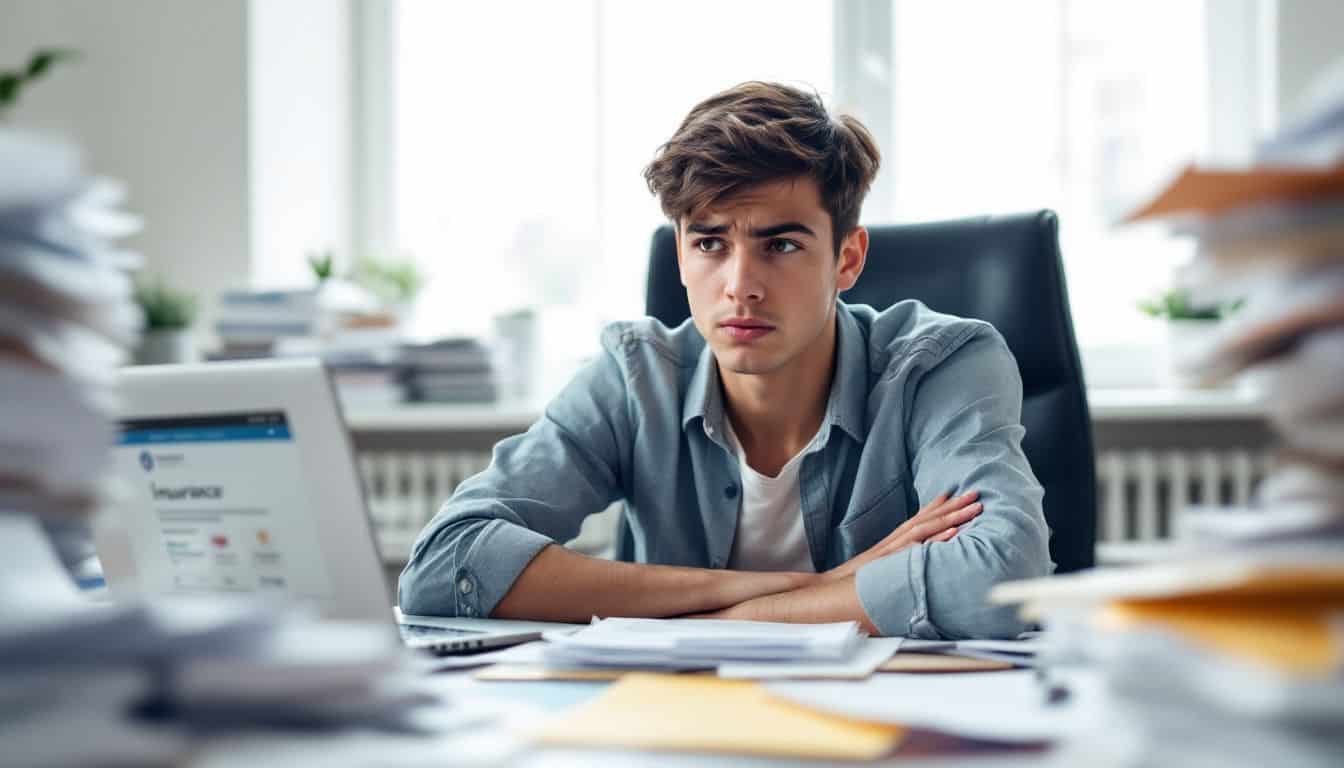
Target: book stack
{"type": "Point", "coordinates": [249, 322]}
{"type": "Point", "coordinates": [457, 370]}
{"type": "Point", "coordinates": [1231, 654]}
{"type": "Point", "coordinates": [337, 323]}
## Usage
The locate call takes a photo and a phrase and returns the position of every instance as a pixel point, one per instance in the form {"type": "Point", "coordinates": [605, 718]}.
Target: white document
{"type": "Point", "coordinates": [697, 643]}
{"type": "Point", "coordinates": [1003, 706]}
{"type": "Point", "coordinates": [869, 657]}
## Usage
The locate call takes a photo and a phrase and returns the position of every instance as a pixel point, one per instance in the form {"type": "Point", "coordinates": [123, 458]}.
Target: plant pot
{"type": "Point", "coordinates": [1186, 341]}
{"type": "Point", "coordinates": [165, 346]}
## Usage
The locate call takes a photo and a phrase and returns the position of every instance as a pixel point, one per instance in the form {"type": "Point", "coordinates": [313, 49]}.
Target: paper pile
{"type": "Point", "coordinates": [678, 644]}
{"type": "Point", "coordinates": [139, 682]}
{"type": "Point", "coordinates": [66, 321]}
{"type": "Point", "coordinates": [126, 683]}
{"type": "Point", "coordinates": [1234, 656]}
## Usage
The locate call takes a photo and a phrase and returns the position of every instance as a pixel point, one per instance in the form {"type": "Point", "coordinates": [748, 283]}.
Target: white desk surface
{"type": "Point", "coordinates": [1105, 405]}
{"type": "Point", "coordinates": [500, 739]}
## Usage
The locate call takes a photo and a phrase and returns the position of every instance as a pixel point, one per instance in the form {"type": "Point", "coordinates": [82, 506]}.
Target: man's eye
{"type": "Point", "coordinates": [709, 245]}
{"type": "Point", "coordinates": [782, 246]}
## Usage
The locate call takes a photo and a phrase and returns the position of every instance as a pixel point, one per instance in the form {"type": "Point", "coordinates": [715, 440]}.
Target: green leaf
{"type": "Point", "coordinates": [323, 264]}
{"type": "Point", "coordinates": [42, 60]}
{"type": "Point", "coordinates": [9, 87]}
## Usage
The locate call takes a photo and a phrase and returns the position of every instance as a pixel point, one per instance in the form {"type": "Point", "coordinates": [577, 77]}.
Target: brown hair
{"type": "Point", "coordinates": [755, 133]}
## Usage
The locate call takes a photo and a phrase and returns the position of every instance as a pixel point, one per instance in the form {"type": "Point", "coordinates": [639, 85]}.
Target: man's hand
{"type": "Point", "coordinates": [825, 601]}
{"type": "Point", "coordinates": [937, 521]}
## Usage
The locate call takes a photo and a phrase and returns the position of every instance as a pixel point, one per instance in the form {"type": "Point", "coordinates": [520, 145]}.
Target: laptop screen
{"type": "Point", "coordinates": [217, 503]}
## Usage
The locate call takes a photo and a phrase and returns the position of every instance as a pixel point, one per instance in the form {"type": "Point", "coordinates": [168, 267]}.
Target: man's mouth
{"type": "Point", "coordinates": [745, 328]}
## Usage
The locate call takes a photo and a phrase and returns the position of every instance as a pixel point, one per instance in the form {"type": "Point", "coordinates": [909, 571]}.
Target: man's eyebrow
{"type": "Point", "coordinates": [705, 229]}
{"type": "Point", "coordinates": [779, 229]}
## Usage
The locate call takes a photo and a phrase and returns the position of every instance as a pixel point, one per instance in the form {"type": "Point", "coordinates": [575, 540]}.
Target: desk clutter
{"type": "Point", "coordinates": [1231, 654]}
{"type": "Point", "coordinates": [85, 682]}
{"type": "Point", "coordinates": [372, 363]}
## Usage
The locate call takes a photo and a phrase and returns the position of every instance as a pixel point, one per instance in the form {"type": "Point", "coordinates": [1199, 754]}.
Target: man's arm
{"type": "Point", "coordinates": [489, 550]}
{"type": "Point", "coordinates": [964, 431]}
{"type": "Point", "coordinates": [560, 585]}
{"type": "Point", "coordinates": [834, 596]}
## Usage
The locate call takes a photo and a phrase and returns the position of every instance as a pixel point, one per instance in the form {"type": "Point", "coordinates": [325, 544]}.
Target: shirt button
{"type": "Point", "coordinates": [468, 611]}
{"type": "Point", "coordinates": [709, 429]}
{"type": "Point", "coordinates": [730, 491]}
{"type": "Point", "coordinates": [464, 586]}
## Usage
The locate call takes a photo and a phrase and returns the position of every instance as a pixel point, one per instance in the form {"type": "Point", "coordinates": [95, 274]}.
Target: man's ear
{"type": "Point", "coordinates": [853, 255]}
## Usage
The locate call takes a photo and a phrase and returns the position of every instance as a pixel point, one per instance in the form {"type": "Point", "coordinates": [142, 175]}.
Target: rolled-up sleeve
{"type": "Point", "coordinates": [964, 433]}
{"type": "Point", "coordinates": [539, 487]}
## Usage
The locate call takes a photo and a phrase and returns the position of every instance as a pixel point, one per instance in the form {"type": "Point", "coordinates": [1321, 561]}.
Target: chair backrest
{"type": "Point", "coordinates": [1003, 269]}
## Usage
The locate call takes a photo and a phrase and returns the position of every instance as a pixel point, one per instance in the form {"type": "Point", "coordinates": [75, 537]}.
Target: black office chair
{"type": "Point", "coordinates": [1004, 269]}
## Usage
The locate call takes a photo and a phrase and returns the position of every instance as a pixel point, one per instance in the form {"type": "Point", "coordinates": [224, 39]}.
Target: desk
{"type": "Point", "coordinates": [496, 742]}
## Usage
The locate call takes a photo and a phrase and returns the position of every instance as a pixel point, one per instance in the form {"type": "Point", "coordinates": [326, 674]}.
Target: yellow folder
{"type": "Point", "coordinates": [706, 714]}
{"type": "Point", "coordinates": [1294, 636]}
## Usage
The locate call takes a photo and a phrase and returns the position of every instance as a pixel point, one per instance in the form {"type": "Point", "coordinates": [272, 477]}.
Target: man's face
{"type": "Point", "coordinates": [761, 274]}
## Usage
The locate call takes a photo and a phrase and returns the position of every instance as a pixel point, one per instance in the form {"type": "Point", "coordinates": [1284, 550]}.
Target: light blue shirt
{"type": "Point", "coordinates": [920, 403]}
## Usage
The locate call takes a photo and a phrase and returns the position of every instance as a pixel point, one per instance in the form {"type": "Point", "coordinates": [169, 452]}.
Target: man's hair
{"type": "Point", "coordinates": [756, 133]}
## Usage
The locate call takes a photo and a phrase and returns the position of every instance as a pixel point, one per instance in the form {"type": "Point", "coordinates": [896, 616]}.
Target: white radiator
{"type": "Point", "coordinates": [405, 489]}
{"type": "Point", "coordinates": [1139, 492]}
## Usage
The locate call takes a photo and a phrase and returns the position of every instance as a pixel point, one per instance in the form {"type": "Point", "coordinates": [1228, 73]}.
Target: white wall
{"type": "Point", "coordinates": [229, 121]}
{"type": "Point", "coordinates": [158, 101]}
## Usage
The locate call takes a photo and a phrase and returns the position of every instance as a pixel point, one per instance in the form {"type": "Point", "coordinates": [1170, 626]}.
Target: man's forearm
{"type": "Point", "coordinates": [818, 603]}
{"type": "Point", "coordinates": [560, 585]}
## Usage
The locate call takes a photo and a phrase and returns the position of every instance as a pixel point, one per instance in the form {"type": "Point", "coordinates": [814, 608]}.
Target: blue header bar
{"type": "Point", "coordinates": [205, 434]}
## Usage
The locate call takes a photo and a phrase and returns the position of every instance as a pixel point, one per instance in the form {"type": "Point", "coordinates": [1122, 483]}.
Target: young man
{"type": "Point", "coordinates": [773, 453]}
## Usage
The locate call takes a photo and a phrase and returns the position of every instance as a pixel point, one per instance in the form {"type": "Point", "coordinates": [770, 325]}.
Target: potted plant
{"type": "Point", "coordinates": [395, 281]}
{"type": "Point", "coordinates": [168, 318]}
{"type": "Point", "coordinates": [1191, 329]}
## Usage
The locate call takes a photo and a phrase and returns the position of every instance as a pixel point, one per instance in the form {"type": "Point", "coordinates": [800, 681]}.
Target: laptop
{"type": "Point", "coordinates": [239, 477]}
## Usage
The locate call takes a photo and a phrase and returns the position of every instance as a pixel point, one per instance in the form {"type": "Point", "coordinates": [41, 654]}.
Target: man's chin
{"type": "Point", "coordinates": [748, 363]}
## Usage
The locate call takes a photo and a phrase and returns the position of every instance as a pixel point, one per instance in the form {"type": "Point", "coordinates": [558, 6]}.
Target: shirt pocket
{"type": "Point", "coordinates": [872, 524]}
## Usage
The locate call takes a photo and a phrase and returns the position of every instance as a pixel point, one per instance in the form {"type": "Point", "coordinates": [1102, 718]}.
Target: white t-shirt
{"type": "Point", "coordinates": [770, 534]}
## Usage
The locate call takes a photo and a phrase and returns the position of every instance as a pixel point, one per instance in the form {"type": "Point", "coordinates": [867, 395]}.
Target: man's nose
{"type": "Point", "coordinates": [744, 284]}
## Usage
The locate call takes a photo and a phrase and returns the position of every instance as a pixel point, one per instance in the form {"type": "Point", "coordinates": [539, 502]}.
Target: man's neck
{"type": "Point", "coordinates": [775, 415]}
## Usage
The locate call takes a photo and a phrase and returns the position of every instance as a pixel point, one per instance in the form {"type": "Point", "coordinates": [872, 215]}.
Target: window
{"type": "Point", "coordinates": [520, 131]}
{"type": "Point", "coordinates": [1082, 107]}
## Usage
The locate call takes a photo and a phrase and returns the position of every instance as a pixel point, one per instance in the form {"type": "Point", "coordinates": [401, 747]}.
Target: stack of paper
{"type": "Point", "coordinates": [1233, 656]}
{"type": "Point", "coordinates": [1273, 236]}
{"type": "Point", "coordinates": [677, 644]}
{"type": "Point", "coordinates": [121, 683]}
{"type": "Point", "coordinates": [66, 322]}
{"type": "Point", "coordinates": [136, 682]}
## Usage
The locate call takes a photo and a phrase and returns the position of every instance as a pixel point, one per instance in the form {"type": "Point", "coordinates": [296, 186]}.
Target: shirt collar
{"type": "Point", "coordinates": [845, 406]}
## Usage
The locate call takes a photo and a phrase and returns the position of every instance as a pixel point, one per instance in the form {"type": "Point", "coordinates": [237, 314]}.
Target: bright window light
{"type": "Point", "coordinates": [521, 130]}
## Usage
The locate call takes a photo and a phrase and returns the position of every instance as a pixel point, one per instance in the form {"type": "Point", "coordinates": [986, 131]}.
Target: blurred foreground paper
{"type": "Point", "coordinates": [705, 714]}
